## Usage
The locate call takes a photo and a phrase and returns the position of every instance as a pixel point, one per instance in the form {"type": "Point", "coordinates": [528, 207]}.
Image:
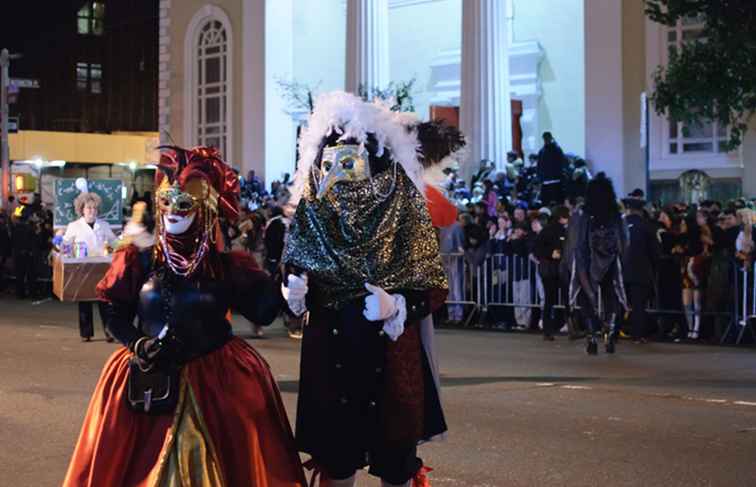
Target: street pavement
{"type": "Point", "coordinates": [521, 412]}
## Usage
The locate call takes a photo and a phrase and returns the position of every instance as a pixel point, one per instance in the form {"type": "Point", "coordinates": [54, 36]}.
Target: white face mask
{"type": "Point", "coordinates": [176, 225]}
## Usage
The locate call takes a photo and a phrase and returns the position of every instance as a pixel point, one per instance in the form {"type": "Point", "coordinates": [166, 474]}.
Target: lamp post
{"type": "Point", "coordinates": [5, 155]}
{"type": "Point", "coordinates": [5, 59]}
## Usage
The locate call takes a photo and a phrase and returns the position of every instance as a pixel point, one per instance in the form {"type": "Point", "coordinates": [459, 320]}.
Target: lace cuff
{"type": "Point", "coordinates": [394, 326]}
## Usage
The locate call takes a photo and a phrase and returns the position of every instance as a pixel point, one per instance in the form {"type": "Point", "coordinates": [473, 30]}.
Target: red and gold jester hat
{"type": "Point", "coordinates": [193, 181]}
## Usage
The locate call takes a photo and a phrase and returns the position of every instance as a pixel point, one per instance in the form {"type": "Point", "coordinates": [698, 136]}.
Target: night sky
{"type": "Point", "coordinates": [27, 22]}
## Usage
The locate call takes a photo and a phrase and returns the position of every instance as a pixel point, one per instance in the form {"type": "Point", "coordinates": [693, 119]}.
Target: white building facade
{"type": "Point", "coordinates": [576, 68]}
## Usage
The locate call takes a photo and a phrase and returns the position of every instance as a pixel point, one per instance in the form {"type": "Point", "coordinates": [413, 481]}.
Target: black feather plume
{"type": "Point", "coordinates": [437, 141]}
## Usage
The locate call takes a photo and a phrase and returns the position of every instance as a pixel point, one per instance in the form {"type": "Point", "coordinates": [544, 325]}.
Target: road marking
{"type": "Point", "coordinates": [545, 384]}
{"type": "Point", "coordinates": [724, 402]}
{"type": "Point", "coordinates": [744, 403]}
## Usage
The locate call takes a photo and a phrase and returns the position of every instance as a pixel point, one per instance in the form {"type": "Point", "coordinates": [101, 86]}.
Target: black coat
{"type": "Point", "coordinates": [360, 391]}
{"type": "Point", "coordinates": [5, 240]}
{"type": "Point", "coordinates": [550, 239]}
{"type": "Point", "coordinates": [551, 162]}
{"type": "Point", "coordinates": [668, 269]}
{"type": "Point", "coordinates": [642, 253]}
{"type": "Point", "coordinates": [274, 239]}
{"type": "Point", "coordinates": [22, 238]}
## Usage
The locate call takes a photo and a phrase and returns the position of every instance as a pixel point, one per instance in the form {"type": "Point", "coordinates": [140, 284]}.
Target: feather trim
{"type": "Point", "coordinates": [352, 118]}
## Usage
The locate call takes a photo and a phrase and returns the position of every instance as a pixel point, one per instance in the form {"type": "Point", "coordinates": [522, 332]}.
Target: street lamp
{"type": "Point", "coordinates": [5, 59]}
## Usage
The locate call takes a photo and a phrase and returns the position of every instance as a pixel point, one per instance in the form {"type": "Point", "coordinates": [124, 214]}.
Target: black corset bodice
{"type": "Point", "coordinates": [194, 310]}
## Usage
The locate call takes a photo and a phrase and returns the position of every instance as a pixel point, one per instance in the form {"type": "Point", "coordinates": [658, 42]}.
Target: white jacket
{"type": "Point", "coordinates": [95, 238]}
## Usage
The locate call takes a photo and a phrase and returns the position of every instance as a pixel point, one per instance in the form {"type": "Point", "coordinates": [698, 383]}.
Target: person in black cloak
{"type": "Point", "coordinates": [600, 241]}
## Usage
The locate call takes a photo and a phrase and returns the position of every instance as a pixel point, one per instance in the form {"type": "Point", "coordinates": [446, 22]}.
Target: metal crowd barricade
{"type": "Point", "coordinates": [509, 281]}
{"type": "Point", "coordinates": [498, 280]}
{"type": "Point", "coordinates": [462, 276]}
{"type": "Point", "coordinates": [745, 305]}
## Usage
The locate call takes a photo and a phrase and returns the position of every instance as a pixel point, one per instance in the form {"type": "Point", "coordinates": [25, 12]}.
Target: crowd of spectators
{"type": "Point", "coordinates": [514, 222]}
{"type": "Point", "coordinates": [685, 269]}
{"type": "Point", "coordinates": [26, 234]}
{"type": "Point", "coordinates": [688, 262]}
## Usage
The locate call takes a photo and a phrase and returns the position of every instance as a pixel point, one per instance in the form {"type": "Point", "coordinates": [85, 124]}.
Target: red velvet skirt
{"type": "Point", "coordinates": [230, 429]}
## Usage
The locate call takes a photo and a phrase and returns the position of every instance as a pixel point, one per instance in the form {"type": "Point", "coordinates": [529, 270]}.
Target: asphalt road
{"type": "Point", "coordinates": [521, 412]}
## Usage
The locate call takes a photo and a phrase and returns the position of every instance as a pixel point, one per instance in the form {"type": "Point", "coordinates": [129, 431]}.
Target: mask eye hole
{"type": "Point", "coordinates": [327, 165]}
{"type": "Point", "coordinates": [185, 206]}
{"type": "Point", "coordinates": [165, 202]}
{"type": "Point", "coordinates": [347, 163]}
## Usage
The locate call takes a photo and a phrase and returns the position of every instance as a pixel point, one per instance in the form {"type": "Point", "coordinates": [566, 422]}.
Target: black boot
{"type": "Point", "coordinates": [611, 341]}
{"type": "Point", "coordinates": [592, 345]}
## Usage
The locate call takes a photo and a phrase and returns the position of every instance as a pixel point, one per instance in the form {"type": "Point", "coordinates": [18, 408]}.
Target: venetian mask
{"type": "Point", "coordinates": [178, 207]}
{"type": "Point", "coordinates": [342, 163]}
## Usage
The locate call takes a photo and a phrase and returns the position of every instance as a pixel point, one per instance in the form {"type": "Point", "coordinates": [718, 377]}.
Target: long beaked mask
{"type": "Point", "coordinates": [342, 163]}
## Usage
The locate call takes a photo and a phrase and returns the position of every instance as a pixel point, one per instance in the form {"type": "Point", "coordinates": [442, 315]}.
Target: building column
{"type": "Point", "coordinates": [164, 73]}
{"type": "Point", "coordinates": [485, 106]}
{"type": "Point", "coordinates": [280, 131]}
{"type": "Point", "coordinates": [367, 49]}
{"type": "Point", "coordinates": [254, 88]}
{"type": "Point", "coordinates": [604, 123]}
{"type": "Point", "coordinates": [748, 155]}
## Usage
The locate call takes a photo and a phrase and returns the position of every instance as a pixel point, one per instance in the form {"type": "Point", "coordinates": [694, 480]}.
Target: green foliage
{"type": "Point", "coordinates": [299, 96]}
{"type": "Point", "coordinates": [712, 78]}
{"type": "Point", "coordinates": [399, 94]}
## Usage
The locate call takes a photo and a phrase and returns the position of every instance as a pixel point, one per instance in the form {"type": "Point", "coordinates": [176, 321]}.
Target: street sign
{"type": "Point", "coordinates": [24, 82]}
{"type": "Point", "coordinates": [12, 125]}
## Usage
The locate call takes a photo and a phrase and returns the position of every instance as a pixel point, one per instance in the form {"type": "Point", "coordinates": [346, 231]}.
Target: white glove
{"type": "Point", "coordinates": [295, 293]}
{"type": "Point", "coordinates": [391, 309]}
{"type": "Point", "coordinates": [379, 305]}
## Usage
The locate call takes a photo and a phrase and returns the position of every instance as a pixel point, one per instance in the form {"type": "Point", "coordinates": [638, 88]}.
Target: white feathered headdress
{"type": "Point", "coordinates": [414, 145]}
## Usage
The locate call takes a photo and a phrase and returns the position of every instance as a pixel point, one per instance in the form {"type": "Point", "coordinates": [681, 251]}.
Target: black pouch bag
{"type": "Point", "coordinates": [155, 390]}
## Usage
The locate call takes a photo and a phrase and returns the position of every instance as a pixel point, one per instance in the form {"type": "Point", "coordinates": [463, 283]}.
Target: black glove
{"type": "Point", "coordinates": [147, 351]}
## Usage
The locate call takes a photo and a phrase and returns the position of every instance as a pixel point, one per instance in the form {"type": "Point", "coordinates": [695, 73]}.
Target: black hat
{"type": "Point", "coordinates": [637, 193]}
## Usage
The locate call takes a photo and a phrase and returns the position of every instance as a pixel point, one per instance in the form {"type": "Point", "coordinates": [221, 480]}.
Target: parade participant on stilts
{"type": "Point", "coordinates": [185, 402]}
{"type": "Point", "coordinates": [600, 239]}
{"type": "Point", "coordinates": [364, 262]}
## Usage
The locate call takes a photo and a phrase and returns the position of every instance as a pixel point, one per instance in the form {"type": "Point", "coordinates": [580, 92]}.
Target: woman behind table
{"type": "Point", "coordinates": [97, 236]}
{"type": "Point", "coordinates": [229, 426]}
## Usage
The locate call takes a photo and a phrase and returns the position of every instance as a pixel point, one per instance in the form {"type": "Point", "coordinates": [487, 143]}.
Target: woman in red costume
{"type": "Point", "coordinates": [228, 426]}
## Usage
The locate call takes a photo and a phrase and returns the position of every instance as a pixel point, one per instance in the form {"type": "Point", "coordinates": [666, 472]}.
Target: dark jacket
{"type": "Point", "coordinates": [642, 253]}
{"type": "Point", "coordinates": [550, 239]}
{"type": "Point", "coordinates": [22, 238]}
{"type": "Point", "coordinates": [5, 240]}
{"type": "Point", "coordinates": [274, 239]}
{"type": "Point", "coordinates": [551, 162]}
{"type": "Point", "coordinates": [515, 257]}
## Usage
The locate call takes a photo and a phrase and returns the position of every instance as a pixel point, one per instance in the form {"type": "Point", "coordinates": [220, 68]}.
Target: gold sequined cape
{"type": "Point", "coordinates": [354, 235]}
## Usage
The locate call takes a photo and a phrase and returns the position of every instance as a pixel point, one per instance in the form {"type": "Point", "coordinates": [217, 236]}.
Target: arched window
{"type": "Point", "coordinates": [207, 88]}
{"type": "Point", "coordinates": [212, 92]}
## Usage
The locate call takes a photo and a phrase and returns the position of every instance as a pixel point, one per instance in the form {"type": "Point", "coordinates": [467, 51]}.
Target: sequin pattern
{"type": "Point", "coordinates": [351, 236]}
